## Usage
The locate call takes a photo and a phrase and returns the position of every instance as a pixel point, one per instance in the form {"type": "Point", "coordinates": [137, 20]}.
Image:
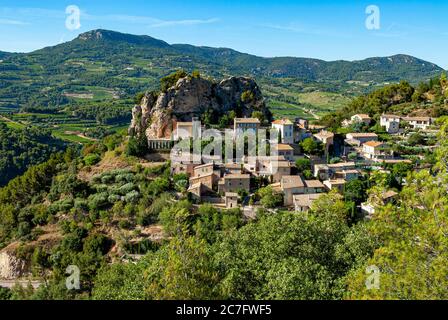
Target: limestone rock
{"type": "Point", "coordinates": [191, 97]}
{"type": "Point", "coordinates": [12, 267]}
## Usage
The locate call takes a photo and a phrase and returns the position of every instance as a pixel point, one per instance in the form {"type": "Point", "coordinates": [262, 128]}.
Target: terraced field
{"type": "Point", "coordinates": [62, 126]}
{"type": "Point", "coordinates": [310, 105]}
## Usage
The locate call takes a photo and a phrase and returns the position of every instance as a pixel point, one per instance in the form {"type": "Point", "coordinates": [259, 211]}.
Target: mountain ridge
{"type": "Point", "coordinates": [116, 36]}
{"type": "Point", "coordinates": [280, 66]}
{"type": "Point", "coordinates": [120, 64]}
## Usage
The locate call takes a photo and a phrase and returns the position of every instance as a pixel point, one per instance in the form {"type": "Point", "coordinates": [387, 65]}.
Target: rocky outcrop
{"type": "Point", "coordinates": [11, 266]}
{"type": "Point", "coordinates": [191, 97]}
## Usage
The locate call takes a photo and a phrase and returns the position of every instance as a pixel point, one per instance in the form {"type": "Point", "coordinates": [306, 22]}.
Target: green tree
{"type": "Point", "coordinates": [416, 139]}
{"type": "Point", "coordinates": [355, 190]}
{"type": "Point", "coordinates": [303, 164]}
{"type": "Point", "coordinates": [247, 96]}
{"type": "Point", "coordinates": [311, 146]}
{"type": "Point", "coordinates": [292, 256]}
{"type": "Point", "coordinates": [182, 270]}
{"type": "Point", "coordinates": [181, 182]}
{"type": "Point", "coordinates": [269, 198]}
{"type": "Point", "coordinates": [258, 115]}
{"type": "Point", "coordinates": [120, 282]}
{"type": "Point", "coordinates": [136, 146]}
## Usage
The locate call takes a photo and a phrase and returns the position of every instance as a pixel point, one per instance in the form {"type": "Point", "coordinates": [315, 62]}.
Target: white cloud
{"type": "Point", "coordinates": [13, 22]}
{"type": "Point", "coordinates": [190, 22]}
{"type": "Point", "coordinates": [149, 21]}
{"type": "Point", "coordinates": [143, 20]}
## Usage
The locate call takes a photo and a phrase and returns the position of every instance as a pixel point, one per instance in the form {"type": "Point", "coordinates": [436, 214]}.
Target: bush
{"type": "Point", "coordinates": [107, 179]}
{"type": "Point", "coordinates": [97, 244]}
{"type": "Point", "coordinates": [136, 147]}
{"type": "Point", "coordinates": [132, 197]}
{"type": "Point", "coordinates": [303, 164]}
{"type": "Point", "coordinates": [128, 187]}
{"type": "Point", "coordinates": [269, 198]}
{"type": "Point", "coordinates": [98, 200]}
{"type": "Point", "coordinates": [92, 159]}
{"type": "Point", "coordinates": [113, 198]}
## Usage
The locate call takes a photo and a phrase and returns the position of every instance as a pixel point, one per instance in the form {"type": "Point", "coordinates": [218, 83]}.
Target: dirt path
{"type": "Point", "coordinates": [311, 112]}
{"type": "Point", "coordinates": [11, 121]}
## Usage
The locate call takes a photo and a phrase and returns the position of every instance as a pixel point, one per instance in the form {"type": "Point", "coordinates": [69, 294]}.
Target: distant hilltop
{"type": "Point", "coordinates": [378, 69]}
{"type": "Point", "coordinates": [228, 61]}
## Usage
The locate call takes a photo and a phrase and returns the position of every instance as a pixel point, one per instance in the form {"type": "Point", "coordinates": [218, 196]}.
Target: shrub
{"type": "Point", "coordinates": [92, 159]}
{"type": "Point", "coordinates": [132, 197]}
{"type": "Point", "coordinates": [98, 200]}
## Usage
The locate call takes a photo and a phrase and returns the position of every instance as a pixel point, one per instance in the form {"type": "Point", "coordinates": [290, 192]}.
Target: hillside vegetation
{"type": "Point", "coordinates": [426, 99]}
{"type": "Point", "coordinates": [110, 64]}
{"type": "Point", "coordinates": [99, 222]}
{"type": "Point", "coordinates": [22, 148]}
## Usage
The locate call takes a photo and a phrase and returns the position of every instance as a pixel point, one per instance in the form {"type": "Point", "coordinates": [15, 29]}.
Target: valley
{"type": "Point", "coordinates": [96, 149]}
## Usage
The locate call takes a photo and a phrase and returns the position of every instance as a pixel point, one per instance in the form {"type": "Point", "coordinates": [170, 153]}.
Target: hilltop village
{"type": "Point", "coordinates": [310, 162]}
{"type": "Point", "coordinates": [141, 198]}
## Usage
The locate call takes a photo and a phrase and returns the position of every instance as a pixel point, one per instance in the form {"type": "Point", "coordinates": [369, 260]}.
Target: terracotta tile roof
{"type": "Point", "coordinates": [237, 176]}
{"type": "Point", "coordinates": [314, 184]}
{"type": "Point", "coordinates": [426, 119]}
{"type": "Point", "coordinates": [336, 181]}
{"type": "Point", "coordinates": [390, 116]}
{"type": "Point", "coordinates": [362, 134]}
{"type": "Point", "coordinates": [289, 182]}
{"type": "Point", "coordinates": [389, 194]}
{"type": "Point", "coordinates": [373, 144]}
{"type": "Point", "coordinates": [306, 200]}
{"type": "Point", "coordinates": [246, 120]}
{"type": "Point", "coordinates": [282, 122]}
{"type": "Point", "coordinates": [324, 134]}
{"type": "Point", "coordinates": [284, 147]}
{"type": "Point", "coordinates": [342, 165]}
{"type": "Point", "coordinates": [363, 116]}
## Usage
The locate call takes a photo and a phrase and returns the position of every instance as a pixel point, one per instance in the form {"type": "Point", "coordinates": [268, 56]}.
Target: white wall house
{"type": "Point", "coordinates": [362, 137]}
{"type": "Point", "coordinates": [364, 118]}
{"type": "Point", "coordinates": [390, 122]}
{"type": "Point", "coordinates": [286, 130]}
{"type": "Point", "coordinates": [419, 122]}
{"type": "Point", "coordinates": [246, 124]}
{"type": "Point", "coordinates": [372, 149]}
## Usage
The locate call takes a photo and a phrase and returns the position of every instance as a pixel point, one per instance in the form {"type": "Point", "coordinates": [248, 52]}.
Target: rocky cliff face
{"type": "Point", "coordinates": [192, 97]}
{"type": "Point", "coordinates": [12, 267]}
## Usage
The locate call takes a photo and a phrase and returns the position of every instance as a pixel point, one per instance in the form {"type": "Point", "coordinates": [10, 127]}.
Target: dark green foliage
{"type": "Point", "coordinates": [170, 80]}
{"type": "Point", "coordinates": [92, 159]}
{"type": "Point", "coordinates": [416, 139]}
{"type": "Point", "coordinates": [21, 148]}
{"type": "Point", "coordinates": [311, 146]}
{"type": "Point", "coordinates": [356, 191]}
{"type": "Point", "coordinates": [137, 146]}
{"type": "Point", "coordinates": [303, 164]}
{"type": "Point", "coordinates": [291, 257]}
{"type": "Point", "coordinates": [5, 293]}
{"type": "Point", "coordinates": [211, 221]}
{"type": "Point", "coordinates": [269, 198]}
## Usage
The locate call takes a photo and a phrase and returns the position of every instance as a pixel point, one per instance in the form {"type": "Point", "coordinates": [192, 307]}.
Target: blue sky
{"type": "Point", "coordinates": [329, 30]}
